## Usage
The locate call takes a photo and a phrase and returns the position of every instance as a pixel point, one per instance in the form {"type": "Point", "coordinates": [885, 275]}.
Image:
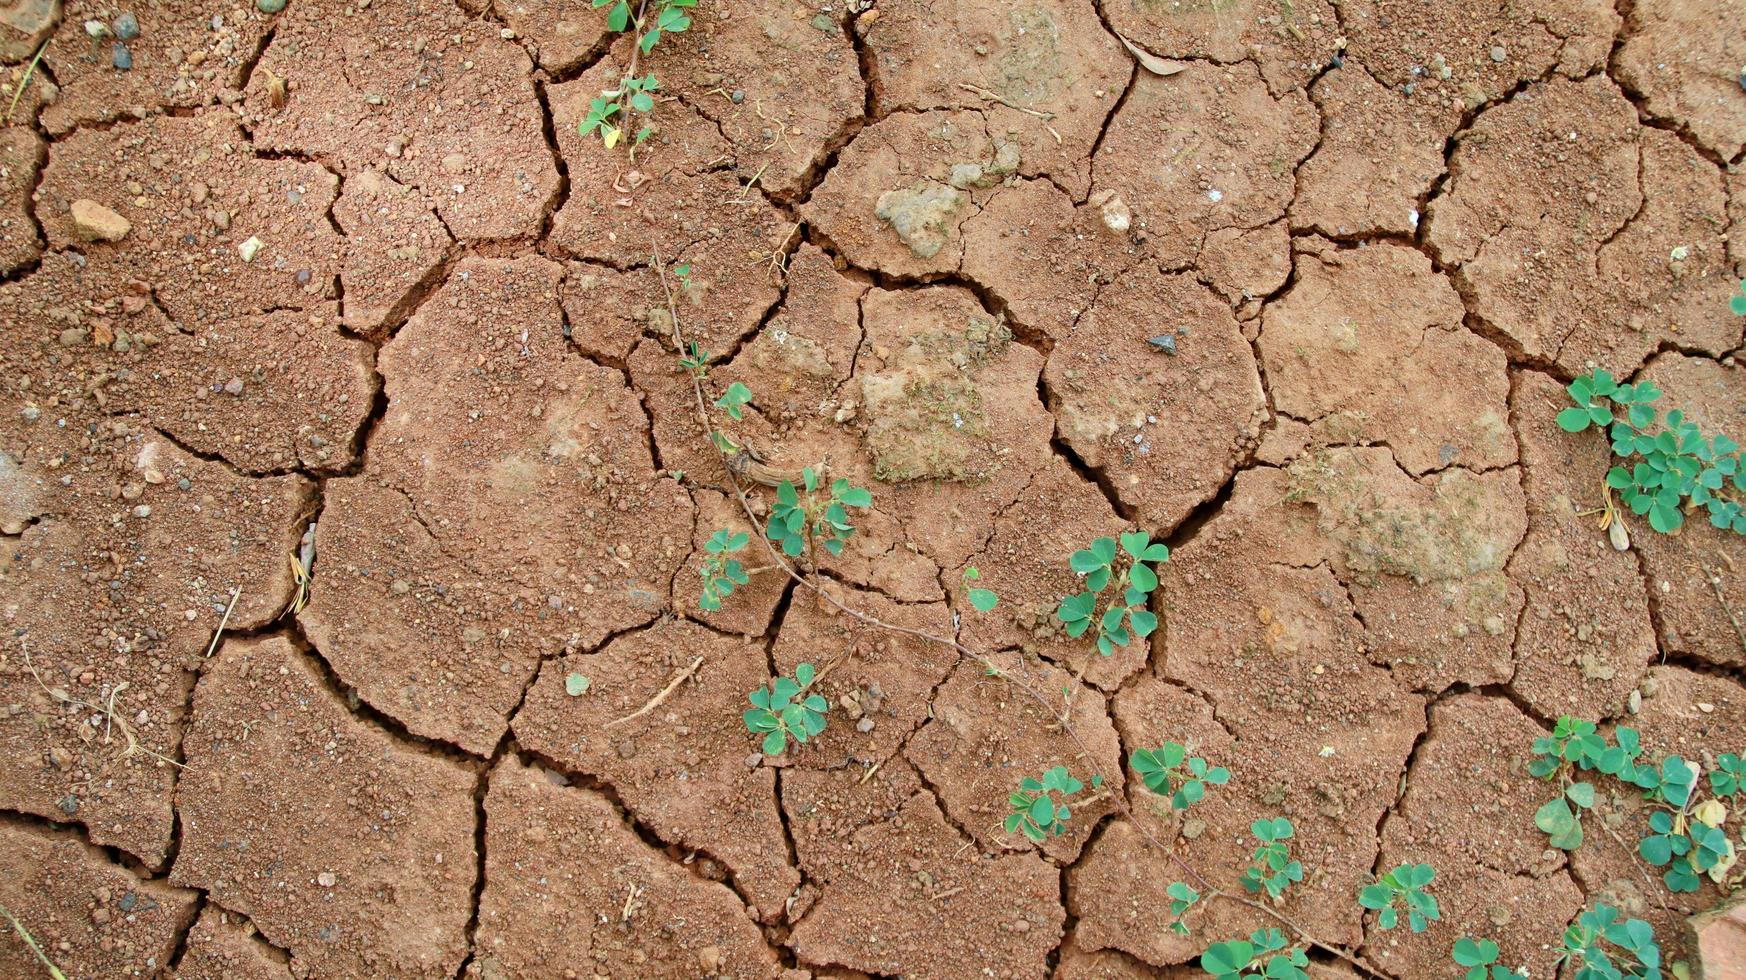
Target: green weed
{"type": "Point", "coordinates": [1599, 946]}
{"type": "Point", "coordinates": [1274, 870]}
{"type": "Point", "coordinates": [1480, 958]}
{"type": "Point", "coordinates": [1262, 955]}
{"type": "Point", "coordinates": [1038, 808]}
{"type": "Point", "coordinates": [609, 114]}
{"type": "Point", "coordinates": [1677, 469]}
{"type": "Point", "coordinates": [1170, 771]}
{"type": "Point", "coordinates": [1134, 571]}
{"type": "Point", "coordinates": [779, 717]}
{"type": "Point", "coordinates": [1403, 888]}
{"type": "Point", "coordinates": [799, 522]}
{"type": "Point", "coordinates": [1182, 898]}
{"type": "Point", "coordinates": [983, 599]}
{"type": "Point", "coordinates": [721, 574]}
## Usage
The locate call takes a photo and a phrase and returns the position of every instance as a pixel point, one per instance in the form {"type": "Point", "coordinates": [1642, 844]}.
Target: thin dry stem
{"type": "Point", "coordinates": [1049, 709]}
{"type": "Point", "coordinates": [112, 719]}
{"type": "Point", "coordinates": [666, 692]}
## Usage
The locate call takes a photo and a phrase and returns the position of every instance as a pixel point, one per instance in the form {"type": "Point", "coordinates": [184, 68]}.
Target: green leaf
{"type": "Point", "coordinates": [1143, 623]}
{"type": "Point", "coordinates": [1225, 959]}
{"type": "Point", "coordinates": [1135, 543]}
{"type": "Point", "coordinates": [1104, 549]}
{"type": "Point", "coordinates": [803, 674]}
{"type": "Point", "coordinates": [575, 685]}
{"type": "Point", "coordinates": [619, 17]}
{"type": "Point", "coordinates": [775, 742]}
{"type": "Point", "coordinates": [1573, 419]}
{"type": "Point", "coordinates": [642, 101]}
{"type": "Point", "coordinates": [983, 599]}
{"type": "Point", "coordinates": [856, 497]}
{"type": "Point", "coordinates": [1557, 820]}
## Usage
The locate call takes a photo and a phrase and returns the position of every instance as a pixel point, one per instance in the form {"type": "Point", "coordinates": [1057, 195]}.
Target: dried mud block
{"type": "Point", "coordinates": [1691, 575]}
{"type": "Point", "coordinates": [1246, 264]}
{"type": "Point", "coordinates": [1686, 69]}
{"type": "Point", "coordinates": [346, 846]}
{"type": "Point", "coordinates": [953, 423]}
{"type": "Point", "coordinates": [607, 312]}
{"type": "Point", "coordinates": [1204, 149]}
{"type": "Point", "coordinates": [1045, 257]}
{"type": "Point", "coordinates": [22, 154]}
{"type": "Point", "coordinates": [683, 201]}
{"type": "Point", "coordinates": [435, 98]}
{"type": "Point", "coordinates": [798, 365]}
{"type": "Point", "coordinates": [827, 808]}
{"type": "Point", "coordinates": [1323, 749]}
{"type": "Point", "coordinates": [519, 476]}
{"type": "Point", "coordinates": [899, 196]}
{"type": "Point", "coordinates": [1043, 72]}
{"type": "Point", "coordinates": [1586, 637]}
{"type": "Point", "coordinates": [986, 735]}
{"type": "Point", "coordinates": [1120, 399]}
{"type": "Point", "coordinates": [912, 900]}
{"type": "Point", "coordinates": [1368, 347]}
{"type": "Point", "coordinates": [784, 86]}
{"type": "Point", "coordinates": [183, 55]}
{"type": "Point", "coordinates": [1108, 964]}
{"type": "Point", "coordinates": [395, 246]}
{"type": "Point", "coordinates": [1290, 43]}
{"type": "Point", "coordinates": [1025, 560]}
{"type": "Point", "coordinates": [681, 768]}
{"type": "Point", "coordinates": [225, 946]}
{"type": "Point", "coordinates": [563, 34]}
{"type": "Point", "coordinates": [1422, 559]}
{"type": "Point", "coordinates": [1380, 154]}
{"type": "Point", "coordinates": [1694, 716]}
{"type": "Point", "coordinates": [265, 392]}
{"type": "Point", "coordinates": [1475, 52]}
{"type": "Point", "coordinates": [91, 916]}
{"type": "Point", "coordinates": [569, 888]}
{"type": "Point", "coordinates": [1611, 249]}
{"type": "Point", "coordinates": [1468, 811]}
{"type": "Point", "coordinates": [881, 681]}
{"type": "Point", "coordinates": [216, 230]}
{"type": "Point", "coordinates": [24, 25]}
{"type": "Point", "coordinates": [125, 555]}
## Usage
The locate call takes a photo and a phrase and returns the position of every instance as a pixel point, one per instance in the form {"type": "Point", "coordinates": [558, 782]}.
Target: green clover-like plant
{"type": "Point", "coordinates": [733, 400]}
{"type": "Point", "coordinates": [1182, 898]}
{"type": "Point", "coordinates": [634, 94]}
{"type": "Point", "coordinates": [1262, 955]}
{"type": "Point", "coordinates": [983, 599]}
{"type": "Point", "coordinates": [1274, 870]}
{"type": "Point", "coordinates": [721, 574]}
{"type": "Point", "coordinates": [1038, 808]}
{"type": "Point", "coordinates": [1666, 466]}
{"type": "Point", "coordinates": [805, 517]}
{"type": "Point", "coordinates": [1685, 847]}
{"type": "Point", "coordinates": [1170, 771]}
{"type": "Point", "coordinates": [777, 716]}
{"type": "Point", "coordinates": [1403, 889]}
{"type": "Point", "coordinates": [1601, 946]}
{"type": "Point", "coordinates": [695, 359]}
{"type": "Point", "coordinates": [1479, 956]}
{"type": "Point", "coordinates": [1575, 746]}
{"type": "Point", "coordinates": [1729, 779]}
{"type": "Point", "coordinates": [1124, 616]}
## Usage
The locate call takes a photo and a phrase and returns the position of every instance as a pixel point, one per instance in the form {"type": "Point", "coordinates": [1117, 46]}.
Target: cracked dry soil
{"type": "Point", "coordinates": [934, 239]}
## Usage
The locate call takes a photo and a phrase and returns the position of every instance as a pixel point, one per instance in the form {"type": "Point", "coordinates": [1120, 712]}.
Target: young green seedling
{"type": "Point", "coordinates": [1124, 616]}
{"type": "Point", "coordinates": [983, 599]}
{"type": "Point", "coordinates": [732, 400]}
{"type": "Point", "coordinates": [1274, 870]}
{"type": "Point", "coordinates": [1575, 746]}
{"type": "Point", "coordinates": [1480, 959]}
{"type": "Point", "coordinates": [1262, 955]}
{"type": "Point", "coordinates": [1170, 771]}
{"type": "Point", "coordinates": [1403, 888]}
{"type": "Point", "coordinates": [1038, 808]}
{"type": "Point", "coordinates": [1598, 946]}
{"type": "Point", "coordinates": [1677, 468]}
{"type": "Point", "coordinates": [800, 522]}
{"type": "Point", "coordinates": [721, 574]}
{"type": "Point", "coordinates": [1729, 779]}
{"type": "Point", "coordinates": [1182, 898]}
{"type": "Point", "coordinates": [609, 113]}
{"type": "Point", "coordinates": [777, 716]}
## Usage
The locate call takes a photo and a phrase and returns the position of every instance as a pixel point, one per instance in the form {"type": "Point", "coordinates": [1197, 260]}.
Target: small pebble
{"type": "Point", "coordinates": [126, 26]}
{"type": "Point", "coordinates": [269, 6]}
{"type": "Point", "coordinates": [142, 511]}
{"type": "Point", "coordinates": [97, 29]}
{"type": "Point", "coordinates": [738, 97]}
{"type": "Point", "coordinates": [326, 879]}
{"type": "Point", "coordinates": [120, 57]}
{"type": "Point", "coordinates": [234, 386]}
{"type": "Point", "coordinates": [1498, 53]}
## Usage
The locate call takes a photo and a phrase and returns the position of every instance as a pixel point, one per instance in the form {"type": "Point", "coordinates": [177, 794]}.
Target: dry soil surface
{"type": "Point", "coordinates": [339, 288]}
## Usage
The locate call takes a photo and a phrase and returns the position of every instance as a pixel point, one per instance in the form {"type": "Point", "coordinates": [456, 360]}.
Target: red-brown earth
{"type": "Point", "coordinates": [353, 497]}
